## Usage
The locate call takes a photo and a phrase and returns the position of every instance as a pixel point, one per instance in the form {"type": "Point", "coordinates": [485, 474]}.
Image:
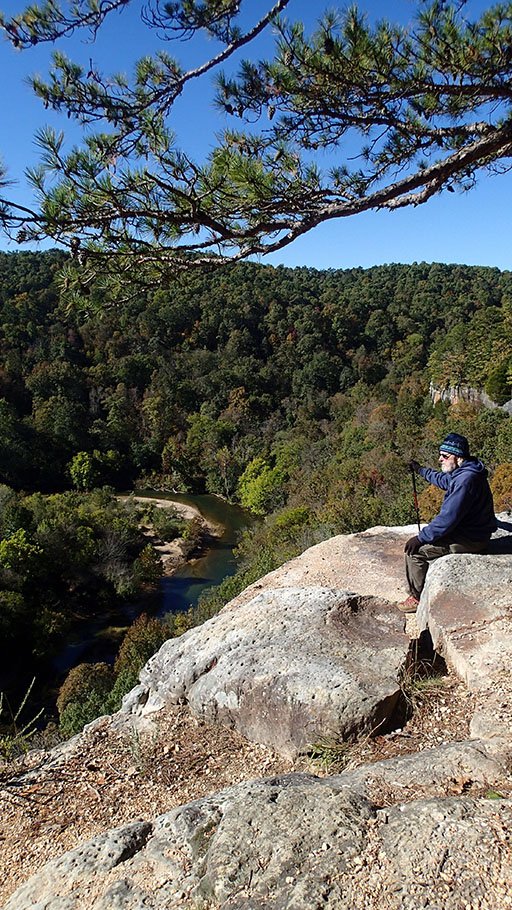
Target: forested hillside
{"type": "Point", "coordinates": [243, 381]}
{"type": "Point", "coordinates": [301, 394]}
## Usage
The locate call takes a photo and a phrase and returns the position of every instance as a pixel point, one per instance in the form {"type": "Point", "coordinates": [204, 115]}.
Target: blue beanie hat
{"type": "Point", "coordinates": [455, 444]}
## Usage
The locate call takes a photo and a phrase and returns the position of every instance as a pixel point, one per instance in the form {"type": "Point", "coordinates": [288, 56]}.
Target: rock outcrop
{"type": "Point", "coordinates": [290, 660]}
{"type": "Point", "coordinates": [291, 842]}
{"type": "Point", "coordinates": [464, 392]}
{"type": "Point", "coordinates": [285, 667]}
{"type": "Point", "coordinates": [401, 834]}
{"type": "Point", "coordinates": [467, 608]}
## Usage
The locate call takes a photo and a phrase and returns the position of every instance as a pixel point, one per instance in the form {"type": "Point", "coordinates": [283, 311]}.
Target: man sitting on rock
{"type": "Point", "coordinates": [465, 522]}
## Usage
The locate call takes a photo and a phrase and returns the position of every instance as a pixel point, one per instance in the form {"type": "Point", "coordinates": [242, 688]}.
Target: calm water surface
{"type": "Point", "coordinates": [182, 590]}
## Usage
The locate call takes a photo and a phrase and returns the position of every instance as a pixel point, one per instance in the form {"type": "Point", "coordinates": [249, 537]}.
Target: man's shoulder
{"type": "Point", "coordinates": [471, 473]}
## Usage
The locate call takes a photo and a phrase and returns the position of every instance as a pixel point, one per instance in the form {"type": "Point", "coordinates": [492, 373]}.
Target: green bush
{"type": "Point", "coordinates": [144, 637]}
{"type": "Point", "coordinates": [261, 487]}
{"type": "Point", "coordinates": [498, 385]}
{"type": "Point", "coordinates": [167, 523]}
{"type": "Point", "coordinates": [19, 555]}
{"type": "Point", "coordinates": [84, 682]}
{"type": "Point", "coordinates": [193, 536]}
{"type": "Point", "coordinates": [77, 714]}
{"type": "Point", "coordinates": [147, 567]}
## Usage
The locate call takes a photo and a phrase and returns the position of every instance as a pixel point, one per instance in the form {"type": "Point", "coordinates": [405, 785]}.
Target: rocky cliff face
{"type": "Point", "coordinates": [315, 648]}
{"type": "Point", "coordinates": [463, 392]}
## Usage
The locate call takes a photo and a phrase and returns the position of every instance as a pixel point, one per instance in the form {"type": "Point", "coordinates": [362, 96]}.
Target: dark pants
{"type": "Point", "coordinates": [416, 566]}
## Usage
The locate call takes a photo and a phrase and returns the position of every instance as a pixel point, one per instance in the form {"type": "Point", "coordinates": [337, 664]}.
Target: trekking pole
{"type": "Point", "coordinates": [415, 496]}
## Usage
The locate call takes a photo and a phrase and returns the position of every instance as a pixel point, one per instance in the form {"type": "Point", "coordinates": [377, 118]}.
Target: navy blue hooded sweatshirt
{"type": "Point", "coordinates": [467, 509]}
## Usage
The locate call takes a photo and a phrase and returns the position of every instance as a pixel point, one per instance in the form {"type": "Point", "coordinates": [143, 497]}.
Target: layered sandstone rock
{"type": "Point", "coordinates": [295, 841]}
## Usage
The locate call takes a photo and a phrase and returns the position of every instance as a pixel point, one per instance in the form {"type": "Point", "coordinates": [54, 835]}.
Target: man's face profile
{"type": "Point", "coordinates": [448, 462]}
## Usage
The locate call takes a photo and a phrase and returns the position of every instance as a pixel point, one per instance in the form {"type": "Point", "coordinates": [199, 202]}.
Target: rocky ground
{"type": "Point", "coordinates": [415, 815]}
{"type": "Point", "coordinates": [112, 776]}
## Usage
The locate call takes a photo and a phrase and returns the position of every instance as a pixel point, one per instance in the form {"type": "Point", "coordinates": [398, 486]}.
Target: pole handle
{"type": "Point", "coordinates": [415, 497]}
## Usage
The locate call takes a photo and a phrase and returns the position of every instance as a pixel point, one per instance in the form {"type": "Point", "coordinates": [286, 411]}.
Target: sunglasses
{"type": "Point", "coordinates": [444, 455]}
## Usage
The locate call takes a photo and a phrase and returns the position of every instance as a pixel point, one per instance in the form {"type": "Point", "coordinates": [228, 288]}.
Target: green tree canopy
{"type": "Point", "coordinates": [405, 112]}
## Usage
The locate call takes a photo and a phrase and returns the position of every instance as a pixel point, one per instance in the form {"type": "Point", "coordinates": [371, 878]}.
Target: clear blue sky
{"type": "Point", "coordinates": [470, 228]}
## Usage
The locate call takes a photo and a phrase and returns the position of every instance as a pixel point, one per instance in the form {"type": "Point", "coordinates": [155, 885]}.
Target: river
{"type": "Point", "coordinates": [98, 639]}
{"type": "Point", "coordinates": [182, 590]}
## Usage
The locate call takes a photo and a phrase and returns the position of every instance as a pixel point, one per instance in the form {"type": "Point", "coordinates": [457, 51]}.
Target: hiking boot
{"type": "Point", "coordinates": [408, 606]}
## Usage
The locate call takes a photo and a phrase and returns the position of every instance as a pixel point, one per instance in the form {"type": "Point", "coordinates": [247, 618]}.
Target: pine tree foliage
{"type": "Point", "coordinates": [398, 113]}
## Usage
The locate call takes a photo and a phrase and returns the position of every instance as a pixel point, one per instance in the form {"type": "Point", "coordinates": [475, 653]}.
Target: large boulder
{"type": "Point", "coordinates": [285, 668]}
{"type": "Point", "coordinates": [313, 649]}
{"type": "Point", "coordinates": [467, 608]}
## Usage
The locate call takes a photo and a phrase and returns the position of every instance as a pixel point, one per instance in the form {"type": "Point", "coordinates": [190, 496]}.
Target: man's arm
{"type": "Point", "coordinates": [438, 478]}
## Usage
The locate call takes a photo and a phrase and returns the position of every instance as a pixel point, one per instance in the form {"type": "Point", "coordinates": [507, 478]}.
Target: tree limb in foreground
{"type": "Point", "coordinates": [398, 115]}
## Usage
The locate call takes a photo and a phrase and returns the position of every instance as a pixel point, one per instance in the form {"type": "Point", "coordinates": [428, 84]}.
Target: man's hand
{"type": "Point", "coordinates": [412, 546]}
{"type": "Point", "coordinates": [414, 466]}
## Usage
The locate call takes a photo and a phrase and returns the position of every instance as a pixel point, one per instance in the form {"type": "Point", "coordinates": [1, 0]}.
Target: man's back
{"type": "Point", "coordinates": [467, 508]}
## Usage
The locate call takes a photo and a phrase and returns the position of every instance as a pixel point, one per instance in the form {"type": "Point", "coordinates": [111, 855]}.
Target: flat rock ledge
{"type": "Point", "coordinates": [298, 841]}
